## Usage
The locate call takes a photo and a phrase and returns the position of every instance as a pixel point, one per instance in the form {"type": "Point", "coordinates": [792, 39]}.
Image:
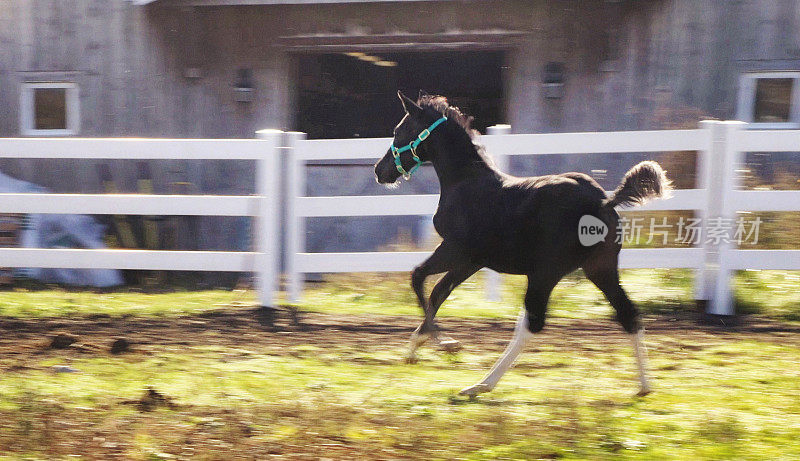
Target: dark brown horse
{"type": "Point", "coordinates": [529, 226]}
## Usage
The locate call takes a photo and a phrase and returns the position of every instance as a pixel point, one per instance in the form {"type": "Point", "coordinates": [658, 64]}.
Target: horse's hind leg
{"type": "Point", "coordinates": [531, 320]}
{"type": "Point", "coordinates": [606, 277]}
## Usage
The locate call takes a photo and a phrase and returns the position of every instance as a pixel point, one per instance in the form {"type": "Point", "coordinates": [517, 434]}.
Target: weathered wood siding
{"type": "Point", "coordinates": [623, 59]}
{"type": "Point", "coordinates": [130, 62]}
{"type": "Point", "coordinates": [629, 65]}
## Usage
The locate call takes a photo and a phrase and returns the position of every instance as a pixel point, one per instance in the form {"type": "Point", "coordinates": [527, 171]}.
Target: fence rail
{"type": "Point", "coordinates": [232, 261]}
{"type": "Point", "coordinates": [139, 148]}
{"type": "Point", "coordinates": [130, 204]}
{"type": "Point", "coordinates": [596, 142]}
{"type": "Point", "coordinates": [720, 147]}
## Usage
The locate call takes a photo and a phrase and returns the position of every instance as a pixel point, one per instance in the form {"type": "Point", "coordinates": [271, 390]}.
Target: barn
{"type": "Point", "coordinates": [226, 68]}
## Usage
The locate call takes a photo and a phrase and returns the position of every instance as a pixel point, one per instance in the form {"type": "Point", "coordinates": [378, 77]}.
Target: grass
{"type": "Point", "coordinates": [49, 303]}
{"type": "Point", "coordinates": [719, 394]}
{"type": "Point", "coordinates": [771, 293]}
{"type": "Point", "coordinates": [774, 293]}
{"type": "Point", "coordinates": [655, 291]}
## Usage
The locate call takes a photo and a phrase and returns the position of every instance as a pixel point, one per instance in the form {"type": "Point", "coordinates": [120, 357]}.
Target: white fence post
{"type": "Point", "coordinates": [717, 175]}
{"type": "Point", "coordinates": [266, 229]}
{"type": "Point", "coordinates": [494, 281]}
{"type": "Point", "coordinates": [725, 182]}
{"type": "Point", "coordinates": [707, 159]}
{"type": "Point", "coordinates": [296, 229]}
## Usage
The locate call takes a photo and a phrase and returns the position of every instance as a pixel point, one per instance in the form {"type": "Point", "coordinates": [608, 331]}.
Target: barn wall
{"type": "Point", "coordinates": [629, 65]}
{"type": "Point", "coordinates": [624, 60]}
{"type": "Point", "coordinates": [130, 62]}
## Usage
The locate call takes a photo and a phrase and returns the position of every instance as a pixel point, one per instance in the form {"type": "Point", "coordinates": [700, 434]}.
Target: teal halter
{"type": "Point", "coordinates": [412, 146]}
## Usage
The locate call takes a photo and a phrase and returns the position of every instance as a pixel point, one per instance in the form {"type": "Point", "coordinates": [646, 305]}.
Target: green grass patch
{"type": "Point", "coordinates": [770, 293]}
{"type": "Point", "coordinates": [655, 291]}
{"type": "Point", "coordinates": [25, 303]}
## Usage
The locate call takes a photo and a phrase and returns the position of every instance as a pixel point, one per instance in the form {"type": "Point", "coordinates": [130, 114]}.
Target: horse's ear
{"type": "Point", "coordinates": [422, 93]}
{"type": "Point", "coordinates": [410, 106]}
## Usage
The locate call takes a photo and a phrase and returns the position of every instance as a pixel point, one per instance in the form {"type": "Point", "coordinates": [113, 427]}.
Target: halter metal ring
{"type": "Point", "coordinates": [413, 151]}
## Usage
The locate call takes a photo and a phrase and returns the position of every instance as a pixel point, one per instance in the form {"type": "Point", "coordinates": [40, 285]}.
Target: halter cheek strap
{"type": "Point", "coordinates": [412, 146]}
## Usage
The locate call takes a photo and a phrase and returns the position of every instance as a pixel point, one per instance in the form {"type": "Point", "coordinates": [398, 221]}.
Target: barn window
{"type": "Point", "coordinates": [770, 99]}
{"type": "Point", "coordinates": [49, 109]}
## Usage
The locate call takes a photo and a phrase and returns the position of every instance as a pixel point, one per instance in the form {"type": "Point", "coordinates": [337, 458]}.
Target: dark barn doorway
{"type": "Point", "coordinates": [353, 94]}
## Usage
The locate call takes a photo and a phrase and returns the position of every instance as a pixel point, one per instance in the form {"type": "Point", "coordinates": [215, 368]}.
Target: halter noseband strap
{"type": "Point", "coordinates": [412, 146]}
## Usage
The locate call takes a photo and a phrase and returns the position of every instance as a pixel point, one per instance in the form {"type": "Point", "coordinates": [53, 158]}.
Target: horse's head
{"type": "Point", "coordinates": [407, 147]}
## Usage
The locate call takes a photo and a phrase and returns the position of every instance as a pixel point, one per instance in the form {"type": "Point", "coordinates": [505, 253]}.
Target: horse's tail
{"type": "Point", "coordinates": [641, 183]}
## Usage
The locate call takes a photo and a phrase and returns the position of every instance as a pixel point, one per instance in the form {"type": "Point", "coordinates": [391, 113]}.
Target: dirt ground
{"type": "Point", "coordinates": [254, 329]}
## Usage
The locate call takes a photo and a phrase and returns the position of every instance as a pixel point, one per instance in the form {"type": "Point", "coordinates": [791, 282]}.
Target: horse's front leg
{"type": "Point", "coordinates": [439, 294]}
{"type": "Point", "coordinates": [445, 258]}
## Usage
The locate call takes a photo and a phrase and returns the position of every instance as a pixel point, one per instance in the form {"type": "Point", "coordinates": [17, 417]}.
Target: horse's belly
{"type": "Point", "coordinates": [507, 257]}
{"type": "Point", "coordinates": [526, 256]}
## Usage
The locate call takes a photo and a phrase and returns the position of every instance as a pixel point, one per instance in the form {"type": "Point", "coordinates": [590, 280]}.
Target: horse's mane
{"type": "Point", "coordinates": [440, 105]}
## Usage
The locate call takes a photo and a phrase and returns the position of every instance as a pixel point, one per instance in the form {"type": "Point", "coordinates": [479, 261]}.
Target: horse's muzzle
{"type": "Point", "coordinates": [385, 171]}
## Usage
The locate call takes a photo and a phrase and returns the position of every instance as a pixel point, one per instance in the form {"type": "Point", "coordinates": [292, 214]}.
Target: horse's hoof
{"type": "Point", "coordinates": [411, 359]}
{"type": "Point", "coordinates": [450, 345]}
{"type": "Point", "coordinates": [418, 339]}
{"type": "Point", "coordinates": [643, 391]}
{"type": "Point", "coordinates": [472, 391]}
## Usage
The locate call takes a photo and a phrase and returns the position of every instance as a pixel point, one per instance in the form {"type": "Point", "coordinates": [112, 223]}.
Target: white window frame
{"type": "Point", "coordinates": [747, 100]}
{"type": "Point", "coordinates": [27, 108]}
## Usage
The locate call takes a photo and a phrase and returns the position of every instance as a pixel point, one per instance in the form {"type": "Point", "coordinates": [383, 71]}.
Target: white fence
{"type": "Point", "coordinates": [262, 206]}
{"type": "Point", "coordinates": [719, 146]}
{"type": "Point", "coordinates": [730, 140]}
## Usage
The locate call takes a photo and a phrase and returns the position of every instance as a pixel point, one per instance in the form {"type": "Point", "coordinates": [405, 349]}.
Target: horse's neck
{"type": "Point", "coordinates": [456, 162]}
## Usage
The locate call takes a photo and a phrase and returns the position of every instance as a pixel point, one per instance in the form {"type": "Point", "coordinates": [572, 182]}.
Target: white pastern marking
{"type": "Point", "coordinates": [517, 344]}
{"type": "Point", "coordinates": [417, 339]}
{"type": "Point", "coordinates": [641, 361]}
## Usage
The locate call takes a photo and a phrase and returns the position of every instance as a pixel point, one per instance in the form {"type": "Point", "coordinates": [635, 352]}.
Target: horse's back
{"type": "Point", "coordinates": [571, 186]}
{"type": "Point", "coordinates": [522, 224]}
